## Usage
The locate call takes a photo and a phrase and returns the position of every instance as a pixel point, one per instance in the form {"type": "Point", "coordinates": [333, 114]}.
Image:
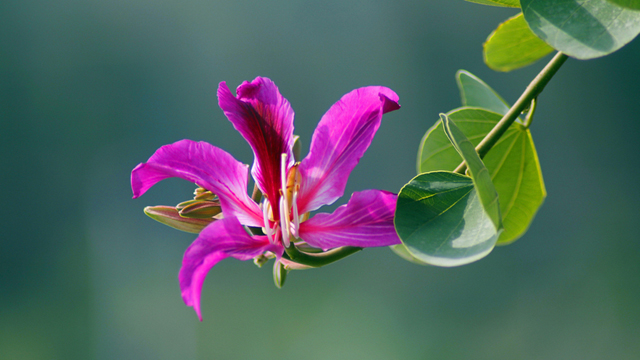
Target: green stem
{"type": "Point", "coordinates": [532, 91]}
{"type": "Point", "coordinates": [321, 259]}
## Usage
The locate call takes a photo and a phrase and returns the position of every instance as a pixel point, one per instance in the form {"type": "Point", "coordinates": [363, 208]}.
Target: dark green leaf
{"type": "Point", "coordinates": [631, 4]}
{"type": "Point", "coordinates": [513, 45]}
{"type": "Point", "coordinates": [584, 29]}
{"type": "Point", "coordinates": [441, 220]}
{"type": "Point", "coordinates": [504, 3]}
{"type": "Point", "coordinates": [512, 163]}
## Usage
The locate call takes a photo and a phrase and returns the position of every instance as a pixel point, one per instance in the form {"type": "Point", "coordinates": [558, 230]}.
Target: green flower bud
{"type": "Point", "coordinates": [168, 215]}
{"type": "Point", "coordinates": [260, 260]}
{"type": "Point", "coordinates": [195, 209]}
{"type": "Point", "coordinates": [204, 194]}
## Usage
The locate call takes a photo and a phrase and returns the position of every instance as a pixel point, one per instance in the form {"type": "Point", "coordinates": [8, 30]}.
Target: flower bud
{"type": "Point", "coordinates": [199, 209]}
{"type": "Point", "coordinates": [279, 274]}
{"type": "Point", "coordinates": [168, 215]}
{"type": "Point", "coordinates": [203, 194]}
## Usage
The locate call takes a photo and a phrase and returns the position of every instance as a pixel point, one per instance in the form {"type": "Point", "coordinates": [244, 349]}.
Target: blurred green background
{"type": "Point", "coordinates": [88, 89]}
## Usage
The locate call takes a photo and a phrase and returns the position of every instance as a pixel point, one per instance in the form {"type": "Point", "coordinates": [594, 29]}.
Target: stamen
{"type": "Point", "coordinates": [296, 216]}
{"type": "Point", "coordinates": [284, 224]}
{"type": "Point", "coordinates": [283, 174]}
{"type": "Point", "coordinates": [284, 206]}
{"type": "Point", "coordinates": [265, 216]}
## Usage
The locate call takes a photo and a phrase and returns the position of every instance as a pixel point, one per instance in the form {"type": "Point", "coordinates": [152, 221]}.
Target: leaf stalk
{"type": "Point", "coordinates": [531, 92]}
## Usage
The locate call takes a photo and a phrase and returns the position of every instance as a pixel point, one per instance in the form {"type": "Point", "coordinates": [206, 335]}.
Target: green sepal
{"type": "Point", "coordinates": [279, 274]}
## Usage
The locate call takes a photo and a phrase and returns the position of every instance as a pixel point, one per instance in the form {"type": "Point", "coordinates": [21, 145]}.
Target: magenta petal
{"type": "Point", "coordinates": [265, 120]}
{"type": "Point", "coordinates": [365, 221]}
{"type": "Point", "coordinates": [223, 238]}
{"type": "Point", "coordinates": [209, 167]}
{"type": "Point", "coordinates": [341, 138]}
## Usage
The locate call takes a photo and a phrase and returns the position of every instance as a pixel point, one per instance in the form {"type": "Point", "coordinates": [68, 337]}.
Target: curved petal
{"type": "Point", "coordinates": [365, 221]}
{"type": "Point", "coordinates": [209, 167]}
{"type": "Point", "coordinates": [341, 138]}
{"type": "Point", "coordinates": [222, 239]}
{"type": "Point", "coordinates": [265, 120]}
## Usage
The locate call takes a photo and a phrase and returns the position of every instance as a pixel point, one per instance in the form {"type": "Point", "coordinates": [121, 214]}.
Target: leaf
{"type": "Point", "coordinates": [584, 29]}
{"type": "Point", "coordinates": [504, 3]}
{"type": "Point", "coordinates": [475, 92]}
{"type": "Point", "coordinates": [479, 173]}
{"type": "Point", "coordinates": [402, 251]}
{"type": "Point", "coordinates": [630, 4]}
{"type": "Point", "coordinates": [441, 221]}
{"type": "Point", "coordinates": [513, 45]}
{"type": "Point", "coordinates": [513, 164]}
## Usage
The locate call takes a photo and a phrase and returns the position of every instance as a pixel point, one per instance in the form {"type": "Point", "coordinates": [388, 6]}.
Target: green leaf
{"type": "Point", "coordinates": [584, 29]}
{"type": "Point", "coordinates": [475, 92]}
{"type": "Point", "coordinates": [441, 221]}
{"type": "Point", "coordinates": [630, 4]}
{"type": "Point", "coordinates": [513, 164]}
{"type": "Point", "coordinates": [402, 251]}
{"type": "Point", "coordinates": [504, 3]}
{"type": "Point", "coordinates": [479, 173]}
{"type": "Point", "coordinates": [513, 45]}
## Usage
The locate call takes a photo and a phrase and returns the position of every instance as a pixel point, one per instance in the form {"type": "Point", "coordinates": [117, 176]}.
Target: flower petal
{"type": "Point", "coordinates": [209, 167]}
{"type": "Point", "coordinates": [223, 238]}
{"type": "Point", "coordinates": [265, 120]}
{"type": "Point", "coordinates": [341, 138]}
{"type": "Point", "coordinates": [365, 221]}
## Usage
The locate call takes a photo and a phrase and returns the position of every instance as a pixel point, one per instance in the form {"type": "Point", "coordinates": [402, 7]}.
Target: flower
{"type": "Point", "coordinates": [291, 190]}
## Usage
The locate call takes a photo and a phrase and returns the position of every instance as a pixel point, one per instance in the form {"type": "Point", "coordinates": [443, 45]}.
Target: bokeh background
{"type": "Point", "coordinates": [88, 89]}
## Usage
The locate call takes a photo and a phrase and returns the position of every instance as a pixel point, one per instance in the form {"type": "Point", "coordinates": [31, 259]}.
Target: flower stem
{"type": "Point", "coordinates": [531, 92]}
{"type": "Point", "coordinates": [321, 259]}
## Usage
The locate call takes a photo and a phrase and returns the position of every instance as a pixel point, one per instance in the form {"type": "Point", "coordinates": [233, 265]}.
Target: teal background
{"type": "Point", "coordinates": [88, 89]}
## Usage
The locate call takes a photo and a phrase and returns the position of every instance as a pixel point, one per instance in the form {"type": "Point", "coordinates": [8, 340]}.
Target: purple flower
{"type": "Point", "coordinates": [291, 191]}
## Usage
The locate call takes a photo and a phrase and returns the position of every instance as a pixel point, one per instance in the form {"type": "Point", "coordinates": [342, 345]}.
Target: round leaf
{"type": "Point", "coordinates": [512, 163]}
{"type": "Point", "coordinates": [513, 45]}
{"type": "Point", "coordinates": [584, 29]}
{"type": "Point", "coordinates": [441, 220]}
